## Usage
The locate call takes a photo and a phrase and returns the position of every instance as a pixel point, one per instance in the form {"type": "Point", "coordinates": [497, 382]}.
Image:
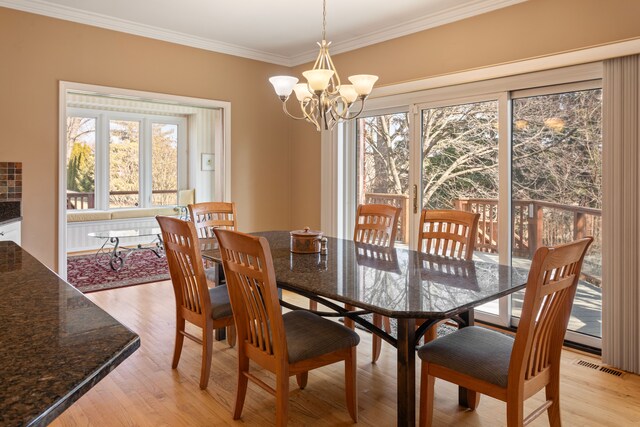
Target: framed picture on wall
{"type": "Point", "coordinates": [207, 162]}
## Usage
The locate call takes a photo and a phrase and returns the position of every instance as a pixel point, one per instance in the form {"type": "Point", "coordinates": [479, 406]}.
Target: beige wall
{"type": "Point", "coordinates": [275, 161]}
{"type": "Point", "coordinates": [527, 30]}
{"type": "Point", "coordinates": [37, 52]}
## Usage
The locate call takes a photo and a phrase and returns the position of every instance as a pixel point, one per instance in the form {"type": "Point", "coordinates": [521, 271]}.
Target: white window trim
{"type": "Point", "coordinates": [223, 146]}
{"type": "Point", "coordinates": [103, 117]}
{"type": "Point", "coordinates": [337, 172]}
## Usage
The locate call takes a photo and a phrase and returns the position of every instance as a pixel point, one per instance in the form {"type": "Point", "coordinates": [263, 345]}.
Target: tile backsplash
{"type": "Point", "coordinates": [10, 180]}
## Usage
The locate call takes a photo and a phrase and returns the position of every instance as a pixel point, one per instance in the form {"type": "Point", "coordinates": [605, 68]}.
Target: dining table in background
{"type": "Point", "coordinates": [401, 284]}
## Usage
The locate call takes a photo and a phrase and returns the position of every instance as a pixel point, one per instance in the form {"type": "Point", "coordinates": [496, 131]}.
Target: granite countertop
{"type": "Point", "coordinates": [9, 212]}
{"type": "Point", "coordinates": [56, 344]}
{"type": "Point", "coordinates": [397, 283]}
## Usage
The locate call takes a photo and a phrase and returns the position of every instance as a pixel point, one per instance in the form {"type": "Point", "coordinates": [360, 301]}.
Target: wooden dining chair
{"type": "Point", "coordinates": [376, 225]}
{"type": "Point", "coordinates": [508, 369]}
{"type": "Point", "coordinates": [206, 308]}
{"type": "Point", "coordinates": [284, 344]}
{"type": "Point", "coordinates": [448, 233]}
{"type": "Point", "coordinates": [208, 216]}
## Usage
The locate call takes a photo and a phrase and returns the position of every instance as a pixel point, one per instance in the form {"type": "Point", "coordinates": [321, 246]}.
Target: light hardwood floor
{"type": "Point", "coordinates": [145, 391]}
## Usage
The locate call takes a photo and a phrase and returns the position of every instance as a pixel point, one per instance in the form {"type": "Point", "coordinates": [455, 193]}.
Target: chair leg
{"type": "Point", "coordinates": [177, 349]}
{"type": "Point", "coordinates": [348, 322]}
{"type": "Point", "coordinates": [301, 379]}
{"type": "Point", "coordinates": [376, 341]}
{"type": "Point", "coordinates": [313, 305]}
{"type": "Point", "coordinates": [241, 391]}
{"type": "Point", "coordinates": [387, 324]}
{"type": "Point", "coordinates": [231, 335]}
{"type": "Point", "coordinates": [351, 386]}
{"type": "Point", "coordinates": [207, 351]}
{"type": "Point", "coordinates": [427, 383]}
{"type": "Point", "coordinates": [552, 391]}
{"type": "Point", "coordinates": [282, 398]}
{"type": "Point", "coordinates": [515, 411]}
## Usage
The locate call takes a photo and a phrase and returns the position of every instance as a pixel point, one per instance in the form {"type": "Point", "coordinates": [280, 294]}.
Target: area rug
{"type": "Point", "coordinates": [140, 267]}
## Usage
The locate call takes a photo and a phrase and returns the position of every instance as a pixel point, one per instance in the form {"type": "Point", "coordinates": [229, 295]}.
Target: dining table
{"type": "Point", "coordinates": [410, 287]}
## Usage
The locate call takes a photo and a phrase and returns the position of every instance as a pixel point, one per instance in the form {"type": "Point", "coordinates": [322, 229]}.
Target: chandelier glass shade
{"type": "Point", "coordinates": [324, 100]}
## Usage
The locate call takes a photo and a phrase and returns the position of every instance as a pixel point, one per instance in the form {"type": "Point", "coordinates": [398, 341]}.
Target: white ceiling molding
{"type": "Point", "coordinates": [442, 17]}
{"type": "Point", "coordinates": [565, 59]}
{"type": "Point", "coordinates": [110, 23]}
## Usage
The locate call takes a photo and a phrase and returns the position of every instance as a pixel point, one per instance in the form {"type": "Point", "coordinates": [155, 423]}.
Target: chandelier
{"type": "Point", "coordinates": [324, 100]}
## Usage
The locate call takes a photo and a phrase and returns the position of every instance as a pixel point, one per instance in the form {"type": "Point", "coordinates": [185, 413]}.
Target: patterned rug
{"type": "Point", "coordinates": [140, 267]}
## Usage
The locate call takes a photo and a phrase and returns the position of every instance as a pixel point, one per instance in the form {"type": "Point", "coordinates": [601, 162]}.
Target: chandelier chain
{"type": "Point", "coordinates": [324, 19]}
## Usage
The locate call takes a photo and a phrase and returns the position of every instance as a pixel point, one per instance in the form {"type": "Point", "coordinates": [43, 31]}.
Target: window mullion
{"type": "Point", "coordinates": [146, 185]}
{"type": "Point", "coordinates": [102, 163]}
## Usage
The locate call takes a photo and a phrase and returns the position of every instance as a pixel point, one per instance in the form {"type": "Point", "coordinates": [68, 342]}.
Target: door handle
{"type": "Point", "coordinates": [415, 199]}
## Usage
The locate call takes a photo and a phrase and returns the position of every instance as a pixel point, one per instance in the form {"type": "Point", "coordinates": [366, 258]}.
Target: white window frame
{"type": "Point", "coordinates": [146, 121]}
{"type": "Point", "coordinates": [338, 165]}
{"type": "Point", "coordinates": [222, 144]}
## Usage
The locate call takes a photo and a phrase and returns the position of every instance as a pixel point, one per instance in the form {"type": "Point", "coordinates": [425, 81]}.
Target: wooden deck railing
{"type": "Point", "coordinates": [535, 223]}
{"type": "Point", "coordinates": [78, 200]}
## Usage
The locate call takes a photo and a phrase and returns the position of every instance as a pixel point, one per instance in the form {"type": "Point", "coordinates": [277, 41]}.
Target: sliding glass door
{"type": "Point", "coordinates": [528, 161]}
{"type": "Point", "coordinates": [459, 170]}
{"type": "Point", "coordinates": [557, 188]}
{"type": "Point", "coordinates": [382, 153]}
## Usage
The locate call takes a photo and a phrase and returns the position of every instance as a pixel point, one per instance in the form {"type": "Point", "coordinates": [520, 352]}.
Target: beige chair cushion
{"type": "Point", "coordinates": [220, 304]}
{"type": "Point", "coordinates": [187, 197]}
{"type": "Point", "coordinates": [474, 351]}
{"type": "Point", "coordinates": [89, 215]}
{"type": "Point", "coordinates": [309, 335]}
{"type": "Point", "coordinates": [142, 212]}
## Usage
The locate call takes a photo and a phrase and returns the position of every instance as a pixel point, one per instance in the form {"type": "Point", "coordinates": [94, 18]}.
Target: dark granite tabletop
{"type": "Point", "coordinates": [55, 343]}
{"type": "Point", "coordinates": [397, 283]}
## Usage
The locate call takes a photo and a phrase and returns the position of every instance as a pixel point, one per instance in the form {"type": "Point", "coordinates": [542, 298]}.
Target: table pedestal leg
{"type": "Point", "coordinates": [221, 333]}
{"type": "Point", "coordinates": [406, 370]}
{"type": "Point", "coordinates": [468, 398]}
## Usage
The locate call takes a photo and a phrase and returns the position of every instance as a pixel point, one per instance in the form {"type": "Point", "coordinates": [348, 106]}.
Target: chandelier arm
{"type": "Point", "coordinates": [345, 112]}
{"type": "Point", "coordinates": [286, 111]}
{"type": "Point", "coordinates": [308, 109]}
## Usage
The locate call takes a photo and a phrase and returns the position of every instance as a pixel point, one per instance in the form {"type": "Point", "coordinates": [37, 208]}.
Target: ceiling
{"type": "Point", "coordinates": [279, 31]}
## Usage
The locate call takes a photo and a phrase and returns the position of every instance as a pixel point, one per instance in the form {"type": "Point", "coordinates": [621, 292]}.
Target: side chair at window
{"type": "Point", "coordinates": [210, 215]}
{"type": "Point", "coordinates": [206, 308]}
{"type": "Point", "coordinates": [513, 369]}
{"type": "Point", "coordinates": [284, 344]}
{"type": "Point", "coordinates": [449, 233]}
{"type": "Point", "coordinates": [376, 225]}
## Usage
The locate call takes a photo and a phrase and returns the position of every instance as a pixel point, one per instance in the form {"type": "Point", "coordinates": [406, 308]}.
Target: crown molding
{"type": "Point", "coordinates": [116, 24]}
{"type": "Point", "coordinates": [443, 17]}
{"type": "Point", "coordinates": [66, 13]}
{"type": "Point", "coordinates": [591, 55]}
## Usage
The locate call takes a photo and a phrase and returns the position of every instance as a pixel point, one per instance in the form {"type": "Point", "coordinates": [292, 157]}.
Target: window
{"type": "Point", "coordinates": [557, 188]}
{"type": "Point", "coordinates": [525, 152]}
{"type": "Point", "coordinates": [81, 162]}
{"type": "Point", "coordinates": [383, 164]}
{"type": "Point", "coordinates": [135, 161]}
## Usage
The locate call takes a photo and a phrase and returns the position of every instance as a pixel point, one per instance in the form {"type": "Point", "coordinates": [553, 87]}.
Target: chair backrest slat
{"type": "Point", "coordinates": [551, 287]}
{"type": "Point", "coordinates": [448, 233]}
{"type": "Point", "coordinates": [185, 266]}
{"type": "Point", "coordinates": [252, 289]}
{"type": "Point", "coordinates": [208, 216]}
{"type": "Point", "coordinates": [376, 225]}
